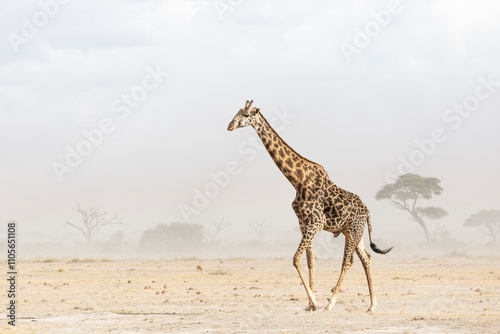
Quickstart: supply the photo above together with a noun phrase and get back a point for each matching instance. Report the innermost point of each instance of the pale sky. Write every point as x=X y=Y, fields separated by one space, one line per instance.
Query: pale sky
x=362 y=81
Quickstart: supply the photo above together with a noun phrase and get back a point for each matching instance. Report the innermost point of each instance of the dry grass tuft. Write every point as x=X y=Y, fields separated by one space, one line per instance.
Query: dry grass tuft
x=220 y=272
x=50 y=260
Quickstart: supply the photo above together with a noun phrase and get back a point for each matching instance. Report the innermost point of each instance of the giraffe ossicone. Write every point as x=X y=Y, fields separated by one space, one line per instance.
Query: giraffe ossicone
x=319 y=205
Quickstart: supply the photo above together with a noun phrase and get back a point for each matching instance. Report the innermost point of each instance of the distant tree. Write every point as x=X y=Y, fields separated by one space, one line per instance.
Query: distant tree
x=486 y=221
x=173 y=237
x=440 y=233
x=407 y=190
x=217 y=227
x=118 y=239
x=260 y=228
x=93 y=220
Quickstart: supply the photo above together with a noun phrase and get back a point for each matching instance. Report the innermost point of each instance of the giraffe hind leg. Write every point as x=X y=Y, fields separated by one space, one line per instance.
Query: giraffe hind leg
x=366 y=260
x=350 y=245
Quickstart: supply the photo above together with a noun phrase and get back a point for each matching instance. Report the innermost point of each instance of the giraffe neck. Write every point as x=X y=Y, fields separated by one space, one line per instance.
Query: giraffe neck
x=291 y=164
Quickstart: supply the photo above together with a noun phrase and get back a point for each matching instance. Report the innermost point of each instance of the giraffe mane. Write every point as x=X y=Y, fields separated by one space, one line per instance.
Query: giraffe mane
x=285 y=143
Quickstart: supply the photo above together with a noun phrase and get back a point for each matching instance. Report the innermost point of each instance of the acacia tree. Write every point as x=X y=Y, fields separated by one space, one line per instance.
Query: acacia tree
x=405 y=193
x=93 y=220
x=218 y=226
x=486 y=221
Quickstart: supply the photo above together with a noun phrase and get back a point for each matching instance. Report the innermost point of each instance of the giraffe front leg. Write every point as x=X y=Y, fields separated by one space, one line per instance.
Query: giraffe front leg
x=310 y=266
x=304 y=245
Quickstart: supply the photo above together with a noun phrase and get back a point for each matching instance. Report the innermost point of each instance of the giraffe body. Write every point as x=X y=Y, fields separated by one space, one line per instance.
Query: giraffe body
x=319 y=205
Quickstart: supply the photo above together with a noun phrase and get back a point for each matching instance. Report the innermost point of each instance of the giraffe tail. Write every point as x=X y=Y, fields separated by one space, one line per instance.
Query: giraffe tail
x=372 y=245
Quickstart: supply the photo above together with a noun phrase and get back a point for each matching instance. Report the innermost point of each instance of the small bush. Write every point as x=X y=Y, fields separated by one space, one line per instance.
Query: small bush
x=176 y=237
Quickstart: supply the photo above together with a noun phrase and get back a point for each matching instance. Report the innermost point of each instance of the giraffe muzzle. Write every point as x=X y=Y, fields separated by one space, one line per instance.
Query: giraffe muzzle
x=231 y=126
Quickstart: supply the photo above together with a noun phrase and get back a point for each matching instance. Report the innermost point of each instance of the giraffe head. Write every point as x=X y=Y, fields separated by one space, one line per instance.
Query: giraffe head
x=244 y=117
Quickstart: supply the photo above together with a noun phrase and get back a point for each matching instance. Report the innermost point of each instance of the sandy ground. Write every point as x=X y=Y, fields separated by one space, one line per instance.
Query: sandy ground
x=415 y=295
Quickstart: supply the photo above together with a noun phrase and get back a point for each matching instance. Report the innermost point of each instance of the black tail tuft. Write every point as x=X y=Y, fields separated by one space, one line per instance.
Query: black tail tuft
x=376 y=250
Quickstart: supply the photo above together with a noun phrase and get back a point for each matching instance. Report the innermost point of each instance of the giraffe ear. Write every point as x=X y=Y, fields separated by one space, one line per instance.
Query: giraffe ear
x=255 y=111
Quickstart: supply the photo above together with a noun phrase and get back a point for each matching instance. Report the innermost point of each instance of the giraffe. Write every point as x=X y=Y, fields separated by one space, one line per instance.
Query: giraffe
x=319 y=205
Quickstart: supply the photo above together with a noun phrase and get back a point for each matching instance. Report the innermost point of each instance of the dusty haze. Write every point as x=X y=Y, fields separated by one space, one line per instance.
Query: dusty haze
x=161 y=81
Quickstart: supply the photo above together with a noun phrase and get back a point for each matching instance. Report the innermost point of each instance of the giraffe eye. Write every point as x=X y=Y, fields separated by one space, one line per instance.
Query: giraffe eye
x=246 y=115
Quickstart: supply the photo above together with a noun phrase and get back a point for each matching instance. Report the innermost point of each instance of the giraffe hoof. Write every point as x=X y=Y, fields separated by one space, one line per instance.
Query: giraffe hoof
x=311 y=308
x=371 y=310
